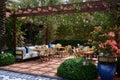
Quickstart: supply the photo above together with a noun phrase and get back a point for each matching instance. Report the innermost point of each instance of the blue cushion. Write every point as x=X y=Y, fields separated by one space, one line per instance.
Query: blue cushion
x=50 y=45
x=27 y=49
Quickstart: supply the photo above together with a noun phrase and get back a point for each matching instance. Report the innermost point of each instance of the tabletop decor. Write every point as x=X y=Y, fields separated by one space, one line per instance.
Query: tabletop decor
x=105 y=44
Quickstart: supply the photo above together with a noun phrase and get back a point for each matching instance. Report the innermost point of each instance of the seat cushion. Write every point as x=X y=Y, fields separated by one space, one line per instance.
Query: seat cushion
x=27 y=49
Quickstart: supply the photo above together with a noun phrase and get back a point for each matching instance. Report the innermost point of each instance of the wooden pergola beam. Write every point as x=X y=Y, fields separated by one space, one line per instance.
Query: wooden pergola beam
x=65 y=9
x=93 y=6
x=8 y=11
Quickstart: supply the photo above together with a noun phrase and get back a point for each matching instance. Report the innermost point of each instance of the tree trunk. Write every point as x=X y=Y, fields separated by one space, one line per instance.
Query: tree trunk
x=2 y=23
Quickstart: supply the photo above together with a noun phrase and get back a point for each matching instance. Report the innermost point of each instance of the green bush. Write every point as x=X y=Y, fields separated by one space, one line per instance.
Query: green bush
x=74 y=69
x=73 y=42
x=6 y=59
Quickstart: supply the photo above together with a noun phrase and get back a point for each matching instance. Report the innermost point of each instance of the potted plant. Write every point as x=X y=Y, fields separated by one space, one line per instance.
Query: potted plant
x=105 y=44
x=118 y=57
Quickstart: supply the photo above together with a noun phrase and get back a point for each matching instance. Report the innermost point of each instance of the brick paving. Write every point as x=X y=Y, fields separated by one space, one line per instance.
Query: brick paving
x=35 y=66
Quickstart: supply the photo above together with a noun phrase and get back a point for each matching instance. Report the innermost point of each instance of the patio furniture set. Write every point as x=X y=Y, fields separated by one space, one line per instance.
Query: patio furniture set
x=44 y=52
x=85 y=52
x=47 y=52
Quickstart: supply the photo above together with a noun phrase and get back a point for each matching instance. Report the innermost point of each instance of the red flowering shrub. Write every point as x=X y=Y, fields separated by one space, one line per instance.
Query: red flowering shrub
x=105 y=41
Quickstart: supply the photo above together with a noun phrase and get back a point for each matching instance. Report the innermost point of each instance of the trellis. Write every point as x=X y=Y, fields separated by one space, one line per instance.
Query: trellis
x=101 y=5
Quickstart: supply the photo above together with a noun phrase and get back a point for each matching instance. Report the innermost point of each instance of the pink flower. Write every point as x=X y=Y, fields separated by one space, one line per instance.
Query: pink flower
x=101 y=45
x=112 y=34
x=111 y=42
x=97 y=29
x=118 y=51
x=105 y=40
x=102 y=35
x=114 y=48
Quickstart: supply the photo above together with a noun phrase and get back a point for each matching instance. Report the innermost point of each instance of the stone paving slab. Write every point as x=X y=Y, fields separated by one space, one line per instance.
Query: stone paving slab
x=47 y=68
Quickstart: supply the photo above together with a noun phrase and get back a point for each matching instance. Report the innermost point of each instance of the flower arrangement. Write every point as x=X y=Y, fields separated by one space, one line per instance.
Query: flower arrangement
x=105 y=41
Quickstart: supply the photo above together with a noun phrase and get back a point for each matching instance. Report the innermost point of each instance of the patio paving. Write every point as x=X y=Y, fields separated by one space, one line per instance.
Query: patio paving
x=35 y=66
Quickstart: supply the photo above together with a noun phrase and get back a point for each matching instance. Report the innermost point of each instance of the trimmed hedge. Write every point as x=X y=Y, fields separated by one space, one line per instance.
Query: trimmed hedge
x=71 y=42
x=6 y=59
x=73 y=69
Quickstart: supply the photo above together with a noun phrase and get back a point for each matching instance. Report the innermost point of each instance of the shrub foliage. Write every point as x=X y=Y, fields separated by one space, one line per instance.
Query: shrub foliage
x=6 y=59
x=74 y=69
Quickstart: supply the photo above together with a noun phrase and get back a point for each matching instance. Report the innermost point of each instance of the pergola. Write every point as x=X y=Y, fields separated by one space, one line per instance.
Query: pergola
x=101 y=5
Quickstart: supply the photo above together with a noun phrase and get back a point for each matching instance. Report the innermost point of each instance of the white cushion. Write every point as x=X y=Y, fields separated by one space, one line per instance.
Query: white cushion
x=31 y=47
x=28 y=55
x=86 y=48
x=20 y=48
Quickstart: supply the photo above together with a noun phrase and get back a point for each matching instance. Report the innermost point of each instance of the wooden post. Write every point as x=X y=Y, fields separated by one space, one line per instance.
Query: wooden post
x=14 y=36
x=46 y=35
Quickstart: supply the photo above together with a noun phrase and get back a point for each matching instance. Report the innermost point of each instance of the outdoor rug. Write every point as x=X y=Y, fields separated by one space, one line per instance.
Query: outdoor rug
x=11 y=75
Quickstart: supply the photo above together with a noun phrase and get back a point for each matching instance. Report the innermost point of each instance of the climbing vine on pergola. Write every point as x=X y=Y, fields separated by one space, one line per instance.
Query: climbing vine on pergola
x=93 y=6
